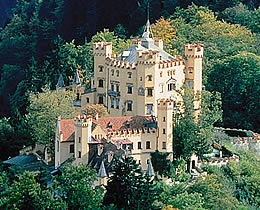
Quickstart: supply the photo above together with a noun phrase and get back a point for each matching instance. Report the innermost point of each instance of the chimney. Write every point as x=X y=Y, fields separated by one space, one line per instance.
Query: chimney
x=100 y=149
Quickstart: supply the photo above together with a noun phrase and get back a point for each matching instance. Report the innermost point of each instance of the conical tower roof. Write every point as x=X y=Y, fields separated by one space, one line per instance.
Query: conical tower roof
x=147 y=31
x=60 y=83
x=102 y=170
x=76 y=80
x=150 y=171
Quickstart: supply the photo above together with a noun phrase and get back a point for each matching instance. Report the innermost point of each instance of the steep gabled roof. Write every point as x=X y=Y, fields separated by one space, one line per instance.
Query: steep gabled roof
x=102 y=170
x=150 y=171
x=68 y=129
x=76 y=80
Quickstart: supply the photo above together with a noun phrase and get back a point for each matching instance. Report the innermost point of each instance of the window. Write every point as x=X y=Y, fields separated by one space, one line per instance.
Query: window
x=100 y=100
x=112 y=72
x=190 y=69
x=161 y=74
x=112 y=102
x=161 y=88
x=129 y=105
x=129 y=75
x=87 y=99
x=164 y=119
x=149 y=91
x=141 y=79
x=117 y=103
x=58 y=146
x=149 y=108
x=149 y=77
x=79 y=139
x=130 y=90
x=148 y=145
x=112 y=86
x=117 y=73
x=100 y=83
x=72 y=148
x=163 y=131
x=101 y=68
x=164 y=145
x=77 y=97
x=79 y=154
x=117 y=87
x=190 y=83
x=139 y=145
x=171 y=86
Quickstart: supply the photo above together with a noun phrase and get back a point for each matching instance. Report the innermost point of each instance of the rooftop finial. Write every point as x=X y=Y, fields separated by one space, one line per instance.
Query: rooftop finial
x=148 y=30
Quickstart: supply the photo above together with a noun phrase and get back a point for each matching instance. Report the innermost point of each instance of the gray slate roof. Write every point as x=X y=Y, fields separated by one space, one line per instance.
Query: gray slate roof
x=60 y=82
x=102 y=171
x=21 y=160
x=150 y=171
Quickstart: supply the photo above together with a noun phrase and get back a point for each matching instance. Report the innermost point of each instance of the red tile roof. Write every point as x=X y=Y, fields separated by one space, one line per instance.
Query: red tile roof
x=122 y=141
x=119 y=123
x=68 y=129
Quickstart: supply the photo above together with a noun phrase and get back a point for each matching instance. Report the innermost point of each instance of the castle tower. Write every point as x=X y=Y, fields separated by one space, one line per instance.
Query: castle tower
x=193 y=71
x=83 y=126
x=60 y=83
x=76 y=85
x=101 y=50
x=165 y=113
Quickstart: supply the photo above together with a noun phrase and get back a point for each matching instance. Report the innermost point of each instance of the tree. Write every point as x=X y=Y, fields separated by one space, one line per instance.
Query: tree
x=164 y=29
x=76 y=187
x=43 y=112
x=128 y=188
x=214 y=193
x=93 y=109
x=237 y=79
x=26 y=193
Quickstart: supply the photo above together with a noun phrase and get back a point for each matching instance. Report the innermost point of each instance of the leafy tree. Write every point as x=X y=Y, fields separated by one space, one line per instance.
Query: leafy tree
x=237 y=79
x=26 y=193
x=43 y=112
x=214 y=193
x=128 y=188
x=76 y=187
x=95 y=108
x=164 y=29
x=161 y=164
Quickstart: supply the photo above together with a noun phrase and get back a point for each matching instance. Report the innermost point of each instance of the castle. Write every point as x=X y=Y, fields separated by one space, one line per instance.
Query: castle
x=141 y=89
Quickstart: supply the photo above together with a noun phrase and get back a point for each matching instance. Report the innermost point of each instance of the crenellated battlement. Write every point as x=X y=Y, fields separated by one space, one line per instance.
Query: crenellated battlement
x=102 y=49
x=171 y=63
x=147 y=57
x=131 y=132
x=194 y=50
x=120 y=64
x=83 y=120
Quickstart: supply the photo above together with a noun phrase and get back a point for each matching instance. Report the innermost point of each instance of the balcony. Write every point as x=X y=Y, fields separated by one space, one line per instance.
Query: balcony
x=91 y=90
x=113 y=93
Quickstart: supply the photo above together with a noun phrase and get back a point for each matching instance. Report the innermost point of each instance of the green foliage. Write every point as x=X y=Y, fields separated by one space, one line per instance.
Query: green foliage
x=161 y=164
x=76 y=187
x=128 y=188
x=119 y=44
x=44 y=110
x=26 y=193
x=237 y=79
x=12 y=139
x=214 y=193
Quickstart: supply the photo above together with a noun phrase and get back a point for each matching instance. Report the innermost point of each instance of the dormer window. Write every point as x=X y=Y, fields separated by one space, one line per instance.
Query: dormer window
x=109 y=125
x=127 y=124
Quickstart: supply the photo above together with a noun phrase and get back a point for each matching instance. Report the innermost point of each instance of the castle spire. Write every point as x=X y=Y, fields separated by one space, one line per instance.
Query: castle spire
x=76 y=80
x=102 y=170
x=150 y=171
x=147 y=31
x=60 y=83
